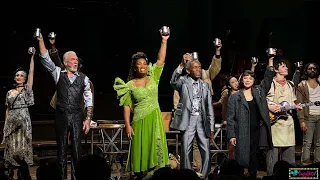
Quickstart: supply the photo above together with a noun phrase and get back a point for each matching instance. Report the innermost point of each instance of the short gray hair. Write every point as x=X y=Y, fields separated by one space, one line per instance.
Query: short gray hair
x=66 y=54
x=188 y=64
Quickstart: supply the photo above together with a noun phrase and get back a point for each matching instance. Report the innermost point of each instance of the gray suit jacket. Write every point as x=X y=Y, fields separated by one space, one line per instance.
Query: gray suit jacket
x=183 y=84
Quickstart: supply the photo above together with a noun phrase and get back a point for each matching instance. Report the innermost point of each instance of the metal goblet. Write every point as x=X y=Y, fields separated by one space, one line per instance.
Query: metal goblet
x=217 y=42
x=165 y=31
x=298 y=64
x=52 y=35
x=195 y=56
x=271 y=51
x=31 y=50
x=37 y=33
x=254 y=60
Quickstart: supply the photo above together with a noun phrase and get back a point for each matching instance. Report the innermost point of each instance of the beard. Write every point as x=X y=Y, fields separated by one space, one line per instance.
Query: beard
x=313 y=75
x=73 y=69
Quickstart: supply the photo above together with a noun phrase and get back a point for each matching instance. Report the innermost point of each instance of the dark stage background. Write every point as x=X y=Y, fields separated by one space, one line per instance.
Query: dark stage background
x=105 y=33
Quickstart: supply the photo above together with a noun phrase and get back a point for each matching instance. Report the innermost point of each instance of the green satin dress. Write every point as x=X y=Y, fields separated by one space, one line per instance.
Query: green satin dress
x=148 y=148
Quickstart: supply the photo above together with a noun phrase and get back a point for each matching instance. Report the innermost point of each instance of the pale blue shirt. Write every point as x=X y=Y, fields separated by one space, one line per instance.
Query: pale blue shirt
x=55 y=73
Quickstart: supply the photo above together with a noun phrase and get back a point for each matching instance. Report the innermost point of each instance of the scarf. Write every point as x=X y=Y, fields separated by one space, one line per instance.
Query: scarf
x=281 y=82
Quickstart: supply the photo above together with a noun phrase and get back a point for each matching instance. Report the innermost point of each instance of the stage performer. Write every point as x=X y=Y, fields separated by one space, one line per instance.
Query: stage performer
x=72 y=88
x=17 y=132
x=148 y=149
x=309 y=117
x=283 y=131
x=207 y=76
x=194 y=114
x=248 y=122
x=232 y=86
x=54 y=55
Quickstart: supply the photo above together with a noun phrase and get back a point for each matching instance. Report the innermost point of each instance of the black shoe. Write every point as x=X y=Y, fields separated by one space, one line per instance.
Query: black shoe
x=23 y=173
x=9 y=173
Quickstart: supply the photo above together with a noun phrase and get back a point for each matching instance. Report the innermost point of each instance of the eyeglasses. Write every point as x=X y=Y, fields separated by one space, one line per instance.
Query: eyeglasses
x=310 y=68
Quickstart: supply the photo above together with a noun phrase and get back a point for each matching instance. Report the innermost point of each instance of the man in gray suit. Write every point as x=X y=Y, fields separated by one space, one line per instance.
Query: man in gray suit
x=194 y=115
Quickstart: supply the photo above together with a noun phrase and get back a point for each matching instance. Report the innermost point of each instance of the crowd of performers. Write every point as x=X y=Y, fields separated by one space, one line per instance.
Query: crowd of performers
x=257 y=116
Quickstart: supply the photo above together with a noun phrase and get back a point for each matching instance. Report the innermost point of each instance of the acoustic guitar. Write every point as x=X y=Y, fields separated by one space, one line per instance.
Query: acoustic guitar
x=284 y=108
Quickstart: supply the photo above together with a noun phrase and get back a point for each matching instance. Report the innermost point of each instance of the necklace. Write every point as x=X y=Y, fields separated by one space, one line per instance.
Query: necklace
x=19 y=88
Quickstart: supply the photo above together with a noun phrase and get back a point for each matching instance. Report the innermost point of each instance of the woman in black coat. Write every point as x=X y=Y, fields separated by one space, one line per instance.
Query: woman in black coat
x=248 y=126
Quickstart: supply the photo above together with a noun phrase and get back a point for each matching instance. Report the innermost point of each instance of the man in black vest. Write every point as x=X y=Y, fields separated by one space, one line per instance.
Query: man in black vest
x=72 y=88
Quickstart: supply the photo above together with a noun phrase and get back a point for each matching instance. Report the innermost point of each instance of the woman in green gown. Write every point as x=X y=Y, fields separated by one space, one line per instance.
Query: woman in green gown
x=148 y=148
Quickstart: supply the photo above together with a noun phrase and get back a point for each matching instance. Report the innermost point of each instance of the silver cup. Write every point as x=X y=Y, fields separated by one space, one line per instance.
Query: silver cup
x=298 y=64
x=272 y=51
x=31 y=50
x=254 y=60
x=195 y=56
x=37 y=33
x=217 y=42
x=52 y=35
x=165 y=31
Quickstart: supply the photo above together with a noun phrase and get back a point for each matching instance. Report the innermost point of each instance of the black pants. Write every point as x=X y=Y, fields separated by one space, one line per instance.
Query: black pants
x=253 y=164
x=68 y=122
x=254 y=155
x=23 y=173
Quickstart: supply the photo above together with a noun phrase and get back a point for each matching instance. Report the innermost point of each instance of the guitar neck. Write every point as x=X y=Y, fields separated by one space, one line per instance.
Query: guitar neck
x=302 y=105
x=307 y=104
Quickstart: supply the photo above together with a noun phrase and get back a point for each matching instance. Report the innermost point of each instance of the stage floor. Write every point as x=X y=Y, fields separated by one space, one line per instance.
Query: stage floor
x=124 y=176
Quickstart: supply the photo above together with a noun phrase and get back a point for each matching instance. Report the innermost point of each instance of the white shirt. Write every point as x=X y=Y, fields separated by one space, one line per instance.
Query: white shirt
x=55 y=73
x=314 y=95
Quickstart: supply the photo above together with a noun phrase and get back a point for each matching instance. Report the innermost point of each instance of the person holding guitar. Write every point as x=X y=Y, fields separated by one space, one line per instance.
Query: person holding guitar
x=283 y=133
x=309 y=117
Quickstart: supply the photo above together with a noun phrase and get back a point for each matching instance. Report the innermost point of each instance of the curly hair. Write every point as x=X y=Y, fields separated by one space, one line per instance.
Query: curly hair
x=305 y=70
x=134 y=59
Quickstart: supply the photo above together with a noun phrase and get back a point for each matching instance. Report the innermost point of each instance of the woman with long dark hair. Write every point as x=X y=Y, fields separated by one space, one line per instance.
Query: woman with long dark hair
x=148 y=148
x=17 y=131
x=232 y=86
x=248 y=122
